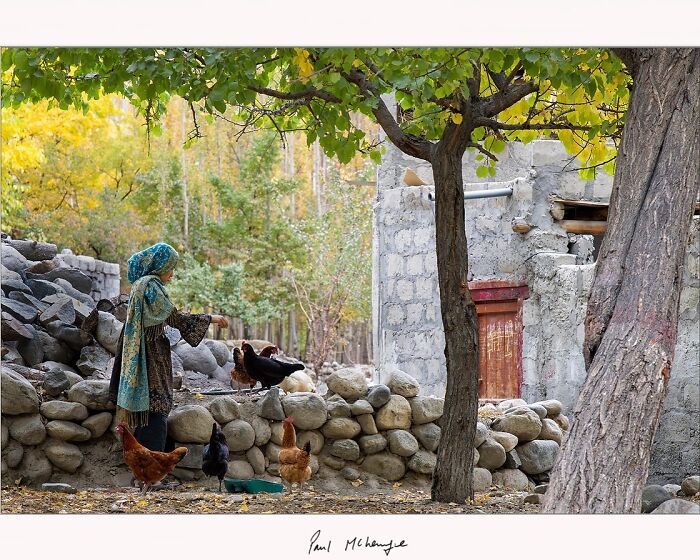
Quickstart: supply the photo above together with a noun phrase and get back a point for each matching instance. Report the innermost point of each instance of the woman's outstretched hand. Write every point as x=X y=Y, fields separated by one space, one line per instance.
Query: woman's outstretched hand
x=219 y=320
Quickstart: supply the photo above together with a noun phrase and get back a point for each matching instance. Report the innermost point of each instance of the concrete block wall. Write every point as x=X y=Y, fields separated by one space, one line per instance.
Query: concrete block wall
x=408 y=330
x=677 y=442
x=105 y=275
x=406 y=296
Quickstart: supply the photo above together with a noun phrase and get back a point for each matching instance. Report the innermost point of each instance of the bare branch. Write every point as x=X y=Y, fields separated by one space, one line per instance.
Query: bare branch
x=497 y=125
x=596 y=166
x=482 y=150
x=196 y=132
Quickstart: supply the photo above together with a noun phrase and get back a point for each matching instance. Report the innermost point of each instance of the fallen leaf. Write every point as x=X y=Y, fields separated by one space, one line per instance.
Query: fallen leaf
x=198 y=396
x=244 y=507
x=396 y=485
x=357 y=482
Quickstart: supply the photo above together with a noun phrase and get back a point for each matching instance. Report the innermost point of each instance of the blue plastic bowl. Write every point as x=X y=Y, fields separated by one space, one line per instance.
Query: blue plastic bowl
x=252 y=486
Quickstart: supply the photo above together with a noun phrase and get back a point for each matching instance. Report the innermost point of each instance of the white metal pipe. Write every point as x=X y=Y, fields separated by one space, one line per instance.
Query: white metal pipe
x=487 y=193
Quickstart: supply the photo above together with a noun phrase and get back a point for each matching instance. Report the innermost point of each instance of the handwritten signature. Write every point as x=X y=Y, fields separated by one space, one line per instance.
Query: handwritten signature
x=355 y=543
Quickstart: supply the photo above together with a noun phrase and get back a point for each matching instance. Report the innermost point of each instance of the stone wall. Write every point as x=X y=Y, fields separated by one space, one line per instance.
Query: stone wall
x=39 y=257
x=105 y=275
x=556 y=267
x=378 y=434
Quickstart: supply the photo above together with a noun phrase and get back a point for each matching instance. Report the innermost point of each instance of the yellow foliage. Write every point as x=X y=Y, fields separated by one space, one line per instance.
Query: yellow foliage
x=45 y=147
x=301 y=59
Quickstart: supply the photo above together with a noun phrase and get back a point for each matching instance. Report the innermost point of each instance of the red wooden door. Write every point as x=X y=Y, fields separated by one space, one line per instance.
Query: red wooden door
x=499 y=312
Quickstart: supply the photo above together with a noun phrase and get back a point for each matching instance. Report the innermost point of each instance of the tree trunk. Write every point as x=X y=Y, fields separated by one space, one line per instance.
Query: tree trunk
x=368 y=344
x=632 y=313
x=307 y=342
x=185 y=197
x=452 y=479
x=292 y=340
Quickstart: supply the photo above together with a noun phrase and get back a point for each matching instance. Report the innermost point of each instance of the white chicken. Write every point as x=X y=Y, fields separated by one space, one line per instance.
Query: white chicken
x=298 y=382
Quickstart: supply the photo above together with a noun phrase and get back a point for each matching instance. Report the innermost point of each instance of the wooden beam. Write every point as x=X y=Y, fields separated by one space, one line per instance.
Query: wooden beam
x=586 y=227
x=580 y=203
x=591 y=204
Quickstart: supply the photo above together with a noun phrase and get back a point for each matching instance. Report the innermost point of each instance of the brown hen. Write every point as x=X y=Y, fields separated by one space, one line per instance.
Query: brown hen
x=294 y=462
x=148 y=466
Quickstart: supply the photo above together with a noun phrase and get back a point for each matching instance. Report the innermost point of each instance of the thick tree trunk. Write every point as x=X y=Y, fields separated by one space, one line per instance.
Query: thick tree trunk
x=452 y=479
x=633 y=308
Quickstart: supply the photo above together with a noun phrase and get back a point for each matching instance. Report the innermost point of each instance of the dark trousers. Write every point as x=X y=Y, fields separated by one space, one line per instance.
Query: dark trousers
x=154 y=435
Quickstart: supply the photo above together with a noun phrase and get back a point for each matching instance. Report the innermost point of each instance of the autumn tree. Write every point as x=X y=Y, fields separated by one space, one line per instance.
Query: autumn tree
x=333 y=279
x=449 y=101
x=65 y=173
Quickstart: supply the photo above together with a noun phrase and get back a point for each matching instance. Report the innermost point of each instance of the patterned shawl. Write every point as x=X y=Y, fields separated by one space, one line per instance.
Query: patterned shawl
x=148 y=306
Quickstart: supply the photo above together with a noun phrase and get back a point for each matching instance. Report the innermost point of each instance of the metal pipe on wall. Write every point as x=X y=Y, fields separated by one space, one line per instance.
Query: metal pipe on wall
x=488 y=193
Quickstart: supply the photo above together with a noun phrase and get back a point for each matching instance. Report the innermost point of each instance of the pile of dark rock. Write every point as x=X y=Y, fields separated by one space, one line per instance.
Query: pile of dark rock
x=671 y=498
x=44 y=303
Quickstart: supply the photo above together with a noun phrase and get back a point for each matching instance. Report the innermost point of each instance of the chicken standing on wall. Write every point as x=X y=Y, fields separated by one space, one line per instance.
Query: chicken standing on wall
x=239 y=373
x=266 y=370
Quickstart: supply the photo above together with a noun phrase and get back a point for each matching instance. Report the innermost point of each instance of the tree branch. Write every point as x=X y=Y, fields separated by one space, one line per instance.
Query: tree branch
x=407 y=143
x=482 y=150
x=498 y=78
x=308 y=93
x=494 y=104
x=630 y=58
x=497 y=125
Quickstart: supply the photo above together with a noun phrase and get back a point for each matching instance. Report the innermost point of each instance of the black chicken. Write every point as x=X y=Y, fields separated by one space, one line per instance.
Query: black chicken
x=215 y=459
x=266 y=370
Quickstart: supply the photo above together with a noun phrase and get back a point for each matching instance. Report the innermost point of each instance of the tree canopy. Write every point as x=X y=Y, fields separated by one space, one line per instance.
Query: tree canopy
x=578 y=95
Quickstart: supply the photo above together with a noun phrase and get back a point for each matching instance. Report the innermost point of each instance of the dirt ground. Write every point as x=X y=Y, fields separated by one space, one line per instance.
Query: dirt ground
x=189 y=498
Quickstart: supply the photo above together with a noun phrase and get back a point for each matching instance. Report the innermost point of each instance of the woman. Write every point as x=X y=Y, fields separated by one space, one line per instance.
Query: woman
x=142 y=378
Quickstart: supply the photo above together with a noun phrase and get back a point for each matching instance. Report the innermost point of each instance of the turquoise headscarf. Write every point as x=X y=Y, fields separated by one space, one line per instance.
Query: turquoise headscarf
x=149 y=305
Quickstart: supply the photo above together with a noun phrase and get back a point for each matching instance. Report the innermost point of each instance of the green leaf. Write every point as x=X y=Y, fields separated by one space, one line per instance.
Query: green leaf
x=482 y=171
x=20 y=59
x=7 y=58
x=591 y=87
x=498 y=146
